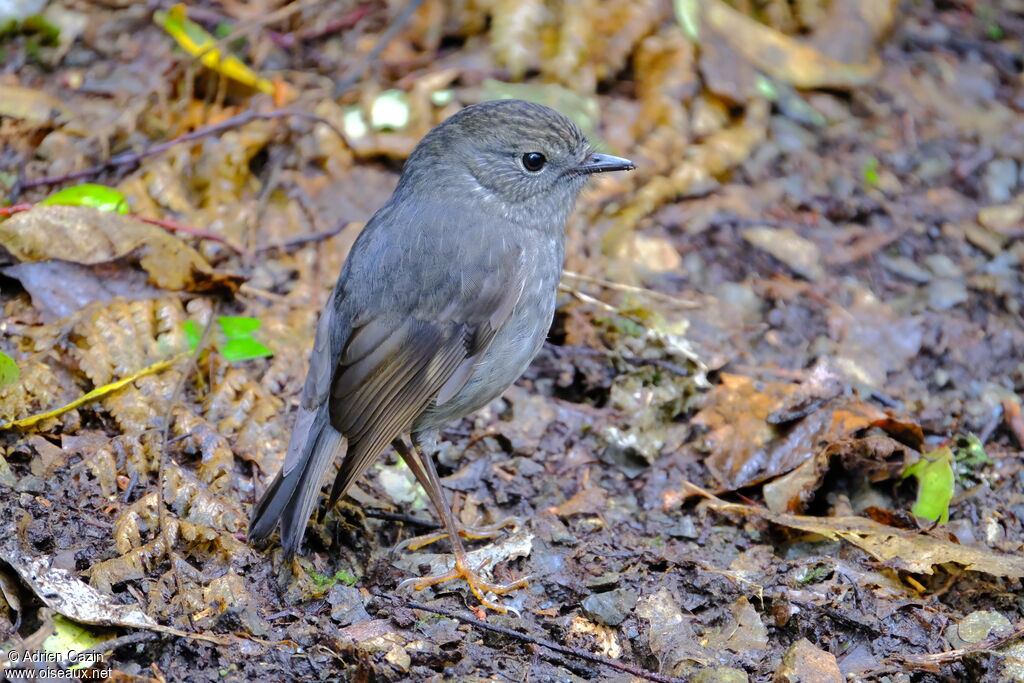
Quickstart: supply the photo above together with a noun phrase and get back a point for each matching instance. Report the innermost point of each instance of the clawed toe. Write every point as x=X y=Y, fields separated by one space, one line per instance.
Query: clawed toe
x=480 y=586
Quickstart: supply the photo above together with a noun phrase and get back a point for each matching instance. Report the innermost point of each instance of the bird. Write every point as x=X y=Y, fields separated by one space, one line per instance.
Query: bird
x=445 y=297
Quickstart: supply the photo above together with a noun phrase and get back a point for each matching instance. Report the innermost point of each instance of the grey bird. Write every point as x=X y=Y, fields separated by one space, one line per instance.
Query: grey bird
x=445 y=298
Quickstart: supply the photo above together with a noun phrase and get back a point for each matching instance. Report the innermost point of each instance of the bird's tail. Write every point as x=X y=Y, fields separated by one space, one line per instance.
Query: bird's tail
x=294 y=491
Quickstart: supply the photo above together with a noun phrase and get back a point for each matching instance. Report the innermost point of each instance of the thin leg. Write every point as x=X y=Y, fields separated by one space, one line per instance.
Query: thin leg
x=417 y=542
x=424 y=465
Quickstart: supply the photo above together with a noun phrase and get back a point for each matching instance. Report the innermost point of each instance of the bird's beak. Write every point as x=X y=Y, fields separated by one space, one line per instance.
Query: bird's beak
x=602 y=163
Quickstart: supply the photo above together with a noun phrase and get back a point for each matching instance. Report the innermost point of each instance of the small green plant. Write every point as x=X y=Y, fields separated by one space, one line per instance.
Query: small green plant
x=938 y=471
x=9 y=372
x=934 y=473
x=870 y=171
x=235 y=340
x=324 y=582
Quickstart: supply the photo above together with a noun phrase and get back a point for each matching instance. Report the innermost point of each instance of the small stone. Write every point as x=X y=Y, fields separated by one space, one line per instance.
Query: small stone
x=610 y=608
x=942 y=266
x=720 y=674
x=905 y=267
x=346 y=605
x=986 y=240
x=1006 y=219
x=975 y=627
x=945 y=293
x=799 y=253
x=806 y=663
x=1000 y=179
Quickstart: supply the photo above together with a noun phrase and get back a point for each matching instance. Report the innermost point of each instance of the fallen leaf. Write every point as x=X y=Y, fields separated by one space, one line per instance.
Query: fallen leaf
x=87 y=236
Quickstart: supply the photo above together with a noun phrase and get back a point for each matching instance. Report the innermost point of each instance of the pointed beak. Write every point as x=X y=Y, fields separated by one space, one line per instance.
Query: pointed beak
x=602 y=163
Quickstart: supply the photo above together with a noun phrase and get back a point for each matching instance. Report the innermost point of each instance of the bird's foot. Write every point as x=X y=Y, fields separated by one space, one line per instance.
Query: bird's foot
x=480 y=586
x=470 y=532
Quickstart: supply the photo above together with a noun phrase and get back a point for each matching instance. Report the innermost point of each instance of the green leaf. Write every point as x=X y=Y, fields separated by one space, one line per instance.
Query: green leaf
x=89 y=194
x=934 y=472
x=244 y=349
x=68 y=636
x=870 y=171
x=971 y=452
x=235 y=327
x=193 y=334
x=688 y=15
x=9 y=372
x=324 y=581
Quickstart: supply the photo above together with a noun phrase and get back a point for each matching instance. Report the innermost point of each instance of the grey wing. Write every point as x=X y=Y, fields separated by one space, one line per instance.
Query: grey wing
x=394 y=366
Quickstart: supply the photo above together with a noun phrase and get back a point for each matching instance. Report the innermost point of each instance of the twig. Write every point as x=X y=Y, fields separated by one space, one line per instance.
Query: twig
x=303 y=240
x=632 y=360
x=288 y=40
x=133 y=158
x=110 y=646
x=930 y=662
x=396 y=517
x=536 y=640
x=359 y=71
x=195 y=232
x=633 y=289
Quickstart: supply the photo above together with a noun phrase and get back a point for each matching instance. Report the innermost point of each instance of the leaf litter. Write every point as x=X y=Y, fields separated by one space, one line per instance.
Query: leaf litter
x=811 y=283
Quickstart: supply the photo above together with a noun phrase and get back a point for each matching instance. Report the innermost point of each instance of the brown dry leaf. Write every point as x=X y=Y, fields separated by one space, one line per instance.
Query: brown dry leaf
x=747 y=634
x=736 y=413
x=786 y=58
x=588 y=501
x=802 y=255
x=244 y=411
x=902 y=549
x=515 y=26
x=872 y=339
x=40 y=387
x=18 y=102
x=88 y=236
x=671 y=637
x=790 y=492
x=717 y=154
x=59 y=288
x=747 y=448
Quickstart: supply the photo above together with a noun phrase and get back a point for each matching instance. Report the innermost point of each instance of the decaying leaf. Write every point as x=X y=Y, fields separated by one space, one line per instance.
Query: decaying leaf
x=902 y=549
x=88 y=236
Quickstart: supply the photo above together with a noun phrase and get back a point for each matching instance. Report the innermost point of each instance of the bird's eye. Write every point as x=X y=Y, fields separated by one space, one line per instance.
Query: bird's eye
x=534 y=161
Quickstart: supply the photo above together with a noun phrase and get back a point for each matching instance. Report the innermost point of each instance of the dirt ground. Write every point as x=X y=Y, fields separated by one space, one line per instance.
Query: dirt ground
x=775 y=433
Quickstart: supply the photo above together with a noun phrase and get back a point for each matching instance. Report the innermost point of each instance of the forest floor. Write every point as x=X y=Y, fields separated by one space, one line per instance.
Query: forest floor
x=775 y=433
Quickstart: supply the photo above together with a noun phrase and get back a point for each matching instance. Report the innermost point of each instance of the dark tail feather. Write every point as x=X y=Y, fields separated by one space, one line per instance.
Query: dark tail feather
x=294 y=491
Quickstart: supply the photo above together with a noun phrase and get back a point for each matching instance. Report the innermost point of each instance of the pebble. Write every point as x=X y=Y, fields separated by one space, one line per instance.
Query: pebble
x=610 y=608
x=1000 y=179
x=346 y=605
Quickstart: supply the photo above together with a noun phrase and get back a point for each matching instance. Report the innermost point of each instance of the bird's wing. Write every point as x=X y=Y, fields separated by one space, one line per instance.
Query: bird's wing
x=386 y=346
x=395 y=365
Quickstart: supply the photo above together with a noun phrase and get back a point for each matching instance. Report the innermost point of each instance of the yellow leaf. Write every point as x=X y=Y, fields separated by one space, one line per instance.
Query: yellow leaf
x=197 y=42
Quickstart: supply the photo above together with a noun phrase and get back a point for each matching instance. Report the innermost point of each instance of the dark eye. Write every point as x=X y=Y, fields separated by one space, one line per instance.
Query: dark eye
x=534 y=161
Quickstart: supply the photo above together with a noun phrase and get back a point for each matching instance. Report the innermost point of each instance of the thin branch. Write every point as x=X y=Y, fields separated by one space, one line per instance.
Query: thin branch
x=133 y=158
x=536 y=640
x=289 y=40
x=560 y=350
x=195 y=232
x=303 y=240
x=930 y=662
x=633 y=289
x=359 y=71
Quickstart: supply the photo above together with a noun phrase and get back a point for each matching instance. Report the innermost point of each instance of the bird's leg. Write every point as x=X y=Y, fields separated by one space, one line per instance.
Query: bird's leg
x=424 y=465
x=471 y=532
